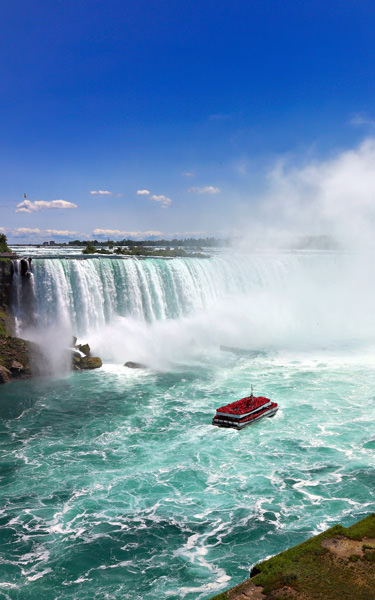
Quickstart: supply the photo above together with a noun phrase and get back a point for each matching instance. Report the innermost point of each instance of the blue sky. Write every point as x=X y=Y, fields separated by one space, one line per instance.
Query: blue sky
x=200 y=104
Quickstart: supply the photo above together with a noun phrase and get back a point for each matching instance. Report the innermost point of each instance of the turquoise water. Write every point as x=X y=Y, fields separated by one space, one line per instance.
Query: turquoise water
x=114 y=484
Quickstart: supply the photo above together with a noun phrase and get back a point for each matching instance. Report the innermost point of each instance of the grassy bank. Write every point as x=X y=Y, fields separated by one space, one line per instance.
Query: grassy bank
x=338 y=564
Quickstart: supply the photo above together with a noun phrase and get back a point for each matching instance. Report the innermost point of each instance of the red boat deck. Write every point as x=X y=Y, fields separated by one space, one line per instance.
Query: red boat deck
x=243 y=412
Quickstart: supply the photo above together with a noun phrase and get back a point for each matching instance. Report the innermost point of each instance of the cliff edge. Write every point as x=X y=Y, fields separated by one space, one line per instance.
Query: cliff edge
x=338 y=564
x=15 y=353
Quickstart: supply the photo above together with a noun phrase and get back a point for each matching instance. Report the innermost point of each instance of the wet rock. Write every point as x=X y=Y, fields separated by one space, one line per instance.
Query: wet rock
x=74 y=341
x=84 y=348
x=82 y=359
x=25 y=266
x=254 y=571
x=5 y=374
x=90 y=362
x=17 y=368
x=134 y=365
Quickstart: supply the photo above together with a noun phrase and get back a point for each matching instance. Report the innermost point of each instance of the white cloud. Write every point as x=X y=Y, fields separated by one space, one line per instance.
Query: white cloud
x=127 y=234
x=101 y=193
x=37 y=235
x=188 y=174
x=109 y=232
x=24 y=230
x=184 y=234
x=207 y=189
x=28 y=207
x=60 y=232
x=152 y=233
x=21 y=231
x=142 y=235
x=164 y=200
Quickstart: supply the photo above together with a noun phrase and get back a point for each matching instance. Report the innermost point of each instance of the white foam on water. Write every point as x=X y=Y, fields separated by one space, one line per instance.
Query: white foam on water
x=39 y=574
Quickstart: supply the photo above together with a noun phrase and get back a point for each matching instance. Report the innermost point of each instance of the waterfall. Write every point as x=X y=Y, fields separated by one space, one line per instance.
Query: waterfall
x=88 y=294
x=141 y=309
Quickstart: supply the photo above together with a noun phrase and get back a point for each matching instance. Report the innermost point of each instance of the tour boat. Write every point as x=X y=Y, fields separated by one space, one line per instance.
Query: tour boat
x=244 y=412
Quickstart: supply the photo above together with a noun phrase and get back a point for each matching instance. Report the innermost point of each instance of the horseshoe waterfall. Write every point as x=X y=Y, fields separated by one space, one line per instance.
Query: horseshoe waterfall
x=114 y=482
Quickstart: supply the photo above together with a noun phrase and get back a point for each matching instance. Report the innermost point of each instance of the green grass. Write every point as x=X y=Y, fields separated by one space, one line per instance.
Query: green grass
x=364 y=528
x=312 y=570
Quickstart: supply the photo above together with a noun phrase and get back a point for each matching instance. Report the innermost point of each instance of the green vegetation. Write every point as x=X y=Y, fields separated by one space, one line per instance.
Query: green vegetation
x=209 y=242
x=90 y=249
x=4 y=243
x=362 y=529
x=354 y=557
x=311 y=571
x=142 y=251
x=163 y=252
x=3 y=322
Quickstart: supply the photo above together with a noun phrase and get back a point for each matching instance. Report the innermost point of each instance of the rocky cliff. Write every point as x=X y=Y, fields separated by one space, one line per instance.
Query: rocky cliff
x=18 y=356
x=6 y=275
x=15 y=353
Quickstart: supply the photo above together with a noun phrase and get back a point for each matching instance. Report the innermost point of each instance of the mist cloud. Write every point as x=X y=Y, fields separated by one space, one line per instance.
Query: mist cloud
x=335 y=197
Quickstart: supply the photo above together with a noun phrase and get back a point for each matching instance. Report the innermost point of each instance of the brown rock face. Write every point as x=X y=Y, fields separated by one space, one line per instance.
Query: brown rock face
x=16 y=357
x=5 y=374
x=16 y=367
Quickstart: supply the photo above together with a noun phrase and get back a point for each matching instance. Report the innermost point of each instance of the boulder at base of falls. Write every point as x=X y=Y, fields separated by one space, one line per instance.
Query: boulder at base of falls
x=82 y=359
x=134 y=365
x=90 y=362
x=84 y=348
x=15 y=358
